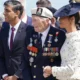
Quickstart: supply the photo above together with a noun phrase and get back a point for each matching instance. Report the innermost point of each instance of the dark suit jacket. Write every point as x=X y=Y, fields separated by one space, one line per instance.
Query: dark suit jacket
x=10 y=60
x=35 y=71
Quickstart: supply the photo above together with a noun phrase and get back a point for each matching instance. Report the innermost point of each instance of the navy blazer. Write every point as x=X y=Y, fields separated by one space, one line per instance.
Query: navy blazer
x=10 y=60
x=33 y=65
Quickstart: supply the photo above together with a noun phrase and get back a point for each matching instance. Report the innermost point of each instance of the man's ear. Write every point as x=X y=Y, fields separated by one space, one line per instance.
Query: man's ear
x=17 y=13
x=53 y=20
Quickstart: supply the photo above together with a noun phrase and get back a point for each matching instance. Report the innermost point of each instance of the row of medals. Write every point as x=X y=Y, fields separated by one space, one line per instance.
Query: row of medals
x=47 y=51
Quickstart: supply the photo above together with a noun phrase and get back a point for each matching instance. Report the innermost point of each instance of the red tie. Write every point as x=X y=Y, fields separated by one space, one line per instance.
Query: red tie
x=11 y=39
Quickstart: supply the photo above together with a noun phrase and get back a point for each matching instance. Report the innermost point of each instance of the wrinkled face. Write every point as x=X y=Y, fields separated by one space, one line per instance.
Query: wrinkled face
x=64 y=22
x=40 y=24
x=9 y=14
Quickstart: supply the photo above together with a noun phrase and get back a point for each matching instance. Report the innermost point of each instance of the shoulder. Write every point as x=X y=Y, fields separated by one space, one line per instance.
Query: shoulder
x=59 y=34
x=5 y=26
x=29 y=28
x=5 y=23
x=29 y=31
x=54 y=30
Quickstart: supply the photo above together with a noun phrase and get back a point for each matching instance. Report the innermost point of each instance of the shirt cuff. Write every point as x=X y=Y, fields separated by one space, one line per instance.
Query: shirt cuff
x=4 y=75
x=54 y=71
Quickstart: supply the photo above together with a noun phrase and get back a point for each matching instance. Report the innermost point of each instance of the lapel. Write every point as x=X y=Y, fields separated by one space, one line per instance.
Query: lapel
x=18 y=34
x=5 y=37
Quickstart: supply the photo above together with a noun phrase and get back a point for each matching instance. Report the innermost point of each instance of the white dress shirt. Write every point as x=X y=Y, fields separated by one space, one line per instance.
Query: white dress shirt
x=15 y=31
x=70 y=55
x=44 y=35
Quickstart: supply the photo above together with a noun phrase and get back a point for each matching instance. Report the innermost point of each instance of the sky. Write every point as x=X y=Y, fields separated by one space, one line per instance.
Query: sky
x=32 y=4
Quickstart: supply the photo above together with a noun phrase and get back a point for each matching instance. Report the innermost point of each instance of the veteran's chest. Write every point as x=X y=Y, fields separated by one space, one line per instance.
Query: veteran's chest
x=50 y=49
x=50 y=46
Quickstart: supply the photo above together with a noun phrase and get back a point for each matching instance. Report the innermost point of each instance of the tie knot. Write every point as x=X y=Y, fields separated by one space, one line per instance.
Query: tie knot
x=12 y=28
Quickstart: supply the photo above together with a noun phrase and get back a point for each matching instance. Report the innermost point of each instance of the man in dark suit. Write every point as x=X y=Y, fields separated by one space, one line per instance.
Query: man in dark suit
x=12 y=41
x=42 y=45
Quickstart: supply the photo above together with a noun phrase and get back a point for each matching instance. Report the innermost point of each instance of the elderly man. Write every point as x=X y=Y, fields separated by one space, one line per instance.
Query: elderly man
x=43 y=44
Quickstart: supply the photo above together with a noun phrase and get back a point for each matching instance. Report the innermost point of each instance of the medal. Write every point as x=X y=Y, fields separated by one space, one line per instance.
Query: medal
x=56 y=37
x=50 y=38
x=35 y=41
x=49 y=44
x=30 y=53
x=44 y=54
x=49 y=54
x=30 y=64
x=31 y=59
x=30 y=42
x=52 y=60
x=33 y=54
x=56 y=54
x=45 y=51
x=54 y=49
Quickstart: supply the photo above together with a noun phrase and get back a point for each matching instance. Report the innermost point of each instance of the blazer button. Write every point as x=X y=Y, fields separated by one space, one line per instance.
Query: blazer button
x=34 y=76
x=34 y=66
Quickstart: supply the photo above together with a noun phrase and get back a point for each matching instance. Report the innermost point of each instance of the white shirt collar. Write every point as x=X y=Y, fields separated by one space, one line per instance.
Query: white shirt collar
x=16 y=26
x=24 y=19
x=45 y=32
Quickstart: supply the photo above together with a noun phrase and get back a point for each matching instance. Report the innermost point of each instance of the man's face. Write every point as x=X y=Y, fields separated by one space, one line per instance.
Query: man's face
x=9 y=14
x=40 y=24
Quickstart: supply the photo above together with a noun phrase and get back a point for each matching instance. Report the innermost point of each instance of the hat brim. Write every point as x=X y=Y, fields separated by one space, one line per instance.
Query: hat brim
x=67 y=10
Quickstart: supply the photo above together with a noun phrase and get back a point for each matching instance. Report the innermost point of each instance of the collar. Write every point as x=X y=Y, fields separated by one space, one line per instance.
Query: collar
x=45 y=32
